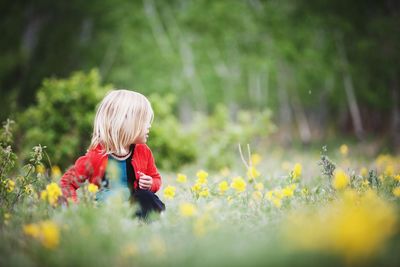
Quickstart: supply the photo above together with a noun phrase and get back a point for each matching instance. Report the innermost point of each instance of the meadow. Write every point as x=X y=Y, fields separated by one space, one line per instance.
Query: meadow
x=332 y=207
x=307 y=89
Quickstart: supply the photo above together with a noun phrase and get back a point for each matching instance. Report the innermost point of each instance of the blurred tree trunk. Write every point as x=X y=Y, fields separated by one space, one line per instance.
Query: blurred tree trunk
x=157 y=28
x=301 y=118
x=285 y=113
x=254 y=87
x=190 y=73
x=395 y=122
x=349 y=89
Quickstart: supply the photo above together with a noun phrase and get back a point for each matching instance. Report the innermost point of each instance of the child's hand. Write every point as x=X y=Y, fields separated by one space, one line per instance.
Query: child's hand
x=145 y=181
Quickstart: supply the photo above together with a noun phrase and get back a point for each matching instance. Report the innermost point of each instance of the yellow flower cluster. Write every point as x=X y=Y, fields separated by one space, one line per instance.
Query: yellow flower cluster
x=276 y=195
x=7 y=217
x=388 y=165
x=51 y=194
x=364 y=172
x=346 y=227
x=252 y=173
x=200 y=187
x=202 y=177
x=396 y=191
x=181 y=178
x=28 y=189
x=169 y=192
x=340 y=180
x=297 y=169
x=223 y=187
x=10 y=185
x=187 y=209
x=40 y=169
x=255 y=159
x=47 y=232
x=55 y=172
x=344 y=150
x=238 y=184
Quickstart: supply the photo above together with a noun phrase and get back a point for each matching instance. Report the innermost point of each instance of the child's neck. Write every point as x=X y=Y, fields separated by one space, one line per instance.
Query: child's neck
x=124 y=152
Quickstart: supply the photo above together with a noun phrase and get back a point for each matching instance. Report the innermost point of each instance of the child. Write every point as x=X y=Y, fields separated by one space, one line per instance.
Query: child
x=118 y=148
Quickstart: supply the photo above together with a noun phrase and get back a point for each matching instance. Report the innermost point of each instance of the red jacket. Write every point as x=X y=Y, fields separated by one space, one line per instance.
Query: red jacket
x=93 y=164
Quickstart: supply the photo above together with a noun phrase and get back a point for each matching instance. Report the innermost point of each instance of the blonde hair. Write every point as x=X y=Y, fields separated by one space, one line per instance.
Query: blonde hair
x=121 y=118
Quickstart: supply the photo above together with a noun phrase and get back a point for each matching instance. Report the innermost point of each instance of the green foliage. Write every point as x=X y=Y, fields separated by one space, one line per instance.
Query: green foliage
x=172 y=146
x=22 y=184
x=328 y=167
x=62 y=118
x=219 y=135
x=211 y=140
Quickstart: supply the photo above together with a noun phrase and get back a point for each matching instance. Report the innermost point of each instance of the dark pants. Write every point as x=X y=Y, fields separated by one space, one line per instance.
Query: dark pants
x=148 y=202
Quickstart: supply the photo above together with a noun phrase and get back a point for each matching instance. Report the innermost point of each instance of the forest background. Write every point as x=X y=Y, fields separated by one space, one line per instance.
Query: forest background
x=318 y=69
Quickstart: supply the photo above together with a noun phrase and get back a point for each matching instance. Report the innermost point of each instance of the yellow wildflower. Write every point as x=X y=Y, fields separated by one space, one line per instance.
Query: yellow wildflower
x=53 y=192
x=47 y=232
x=28 y=189
x=357 y=232
x=344 y=150
x=202 y=177
x=396 y=191
x=365 y=183
x=238 y=184
x=297 y=169
x=204 y=193
x=277 y=202
x=187 y=209
x=389 y=170
x=92 y=188
x=169 y=192
x=223 y=186
x=7 y=217
x=255 y=159
x=10 y=185
x=288 y=191
x=32 y=230
x=259 y=186
x=40 y=169
x=397 y=177
x=50 y=234
x=252 y=173
x=55 y=172
x=181 y=178
x=364 y=172
x=346 y=227
x=196 y=188
x=340 y=180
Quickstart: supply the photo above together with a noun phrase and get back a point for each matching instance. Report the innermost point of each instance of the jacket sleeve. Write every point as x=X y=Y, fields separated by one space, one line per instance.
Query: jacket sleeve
x=153 y=172
x=75 y=176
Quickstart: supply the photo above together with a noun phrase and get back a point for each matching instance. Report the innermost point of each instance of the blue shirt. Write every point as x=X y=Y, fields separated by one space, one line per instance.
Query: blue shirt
x=115 y=180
